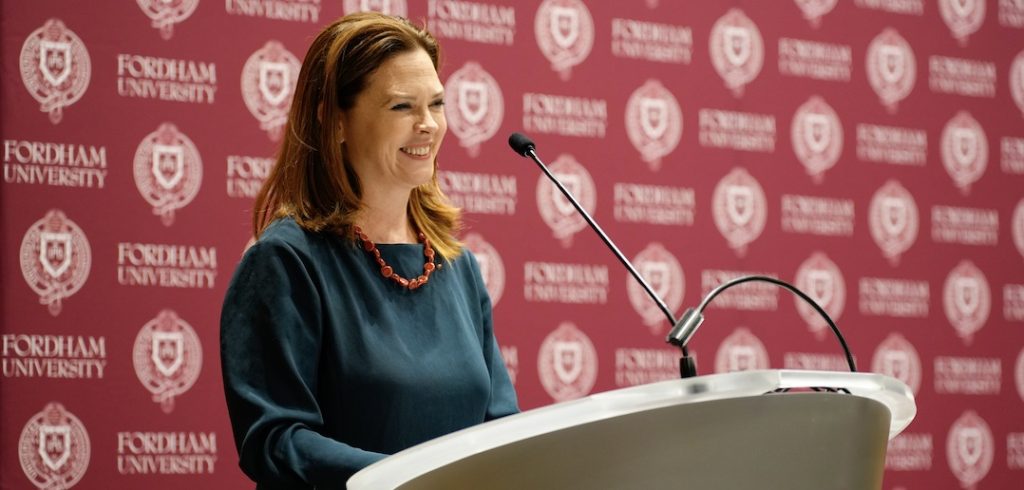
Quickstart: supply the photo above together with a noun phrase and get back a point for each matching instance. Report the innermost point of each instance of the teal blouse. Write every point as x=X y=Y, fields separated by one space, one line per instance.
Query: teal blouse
x=328 y=367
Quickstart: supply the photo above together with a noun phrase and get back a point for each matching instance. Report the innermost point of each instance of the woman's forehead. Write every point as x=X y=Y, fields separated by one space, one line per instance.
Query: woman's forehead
x=406 y=74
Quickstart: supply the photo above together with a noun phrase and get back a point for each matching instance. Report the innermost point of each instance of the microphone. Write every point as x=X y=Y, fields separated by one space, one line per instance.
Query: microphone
x=525 y=147
x=521 y=143
x=683 y=329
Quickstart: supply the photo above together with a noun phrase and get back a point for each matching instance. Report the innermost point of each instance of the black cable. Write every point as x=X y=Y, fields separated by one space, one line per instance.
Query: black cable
x=778 y=282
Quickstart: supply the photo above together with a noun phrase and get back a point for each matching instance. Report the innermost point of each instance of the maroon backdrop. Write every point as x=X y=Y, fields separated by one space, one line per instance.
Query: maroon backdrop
x=871 y=151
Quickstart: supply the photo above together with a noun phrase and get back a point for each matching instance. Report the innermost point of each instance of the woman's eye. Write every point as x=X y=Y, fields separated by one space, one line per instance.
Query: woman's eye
x=400 y=107
x=438 y=103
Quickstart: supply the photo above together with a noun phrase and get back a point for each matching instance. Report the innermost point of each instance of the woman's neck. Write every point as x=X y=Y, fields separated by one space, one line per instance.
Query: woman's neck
x=385 y=219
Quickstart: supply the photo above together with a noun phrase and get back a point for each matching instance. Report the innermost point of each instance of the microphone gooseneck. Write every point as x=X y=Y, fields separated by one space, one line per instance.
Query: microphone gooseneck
x=525 y=147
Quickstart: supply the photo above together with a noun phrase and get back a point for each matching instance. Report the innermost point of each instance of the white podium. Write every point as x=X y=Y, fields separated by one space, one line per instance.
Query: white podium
x=752 y=429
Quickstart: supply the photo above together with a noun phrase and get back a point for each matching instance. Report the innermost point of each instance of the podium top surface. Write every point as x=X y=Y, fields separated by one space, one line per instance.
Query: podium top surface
x=392 y=472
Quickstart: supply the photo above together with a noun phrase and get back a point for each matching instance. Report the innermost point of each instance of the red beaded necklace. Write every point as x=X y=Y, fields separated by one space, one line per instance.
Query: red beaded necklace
x=389 y=273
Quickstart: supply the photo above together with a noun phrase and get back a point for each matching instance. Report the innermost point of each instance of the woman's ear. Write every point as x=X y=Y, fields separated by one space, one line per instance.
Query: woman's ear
x=341 y=129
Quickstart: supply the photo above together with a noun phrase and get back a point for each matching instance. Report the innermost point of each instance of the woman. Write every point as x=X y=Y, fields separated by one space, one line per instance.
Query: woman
x=357 y=326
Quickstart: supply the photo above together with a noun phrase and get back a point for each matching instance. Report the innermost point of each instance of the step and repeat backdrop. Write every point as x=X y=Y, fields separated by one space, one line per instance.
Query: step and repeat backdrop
x=870 y=151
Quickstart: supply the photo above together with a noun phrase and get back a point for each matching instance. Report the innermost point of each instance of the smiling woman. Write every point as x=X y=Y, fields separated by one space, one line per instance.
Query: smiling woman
x=357 y=325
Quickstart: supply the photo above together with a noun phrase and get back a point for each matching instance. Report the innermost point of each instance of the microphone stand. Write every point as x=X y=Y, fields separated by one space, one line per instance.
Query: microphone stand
x=525 y=147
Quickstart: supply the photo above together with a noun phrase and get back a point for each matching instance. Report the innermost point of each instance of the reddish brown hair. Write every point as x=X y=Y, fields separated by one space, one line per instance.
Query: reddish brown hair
x=312 y=181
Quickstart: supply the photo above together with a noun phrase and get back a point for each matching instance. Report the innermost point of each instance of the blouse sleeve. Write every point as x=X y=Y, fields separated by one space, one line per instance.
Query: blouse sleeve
x=503 y=395
x=271 y=332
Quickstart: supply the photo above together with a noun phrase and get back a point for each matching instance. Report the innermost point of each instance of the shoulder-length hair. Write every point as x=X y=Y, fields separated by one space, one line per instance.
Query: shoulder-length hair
x=312 y=181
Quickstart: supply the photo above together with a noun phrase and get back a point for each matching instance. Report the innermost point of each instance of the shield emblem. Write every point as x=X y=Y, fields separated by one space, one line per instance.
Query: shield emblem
x=739 y=204
x=742 y=358
x=376 y=6
x=892 y=63
x=168 y=352
x=657 y=275
x=484 y=262
x=55 y=252
x=565 y=26
x=55 y=61
x=894 y=215
x=54 y=445
x=473 y=101
x=738 y=45
x=168 y=165
x=816 y=132
x=897 y=364
x=275 y=80
x=573 y=184
x=966 y=294
x=962 y=8
x=568 y=360
x=965 y=146
x=970 y=445
x=653 y=117
x=821 y=286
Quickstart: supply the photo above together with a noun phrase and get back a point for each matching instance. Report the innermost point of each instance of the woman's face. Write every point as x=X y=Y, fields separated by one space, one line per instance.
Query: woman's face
x=393 y=131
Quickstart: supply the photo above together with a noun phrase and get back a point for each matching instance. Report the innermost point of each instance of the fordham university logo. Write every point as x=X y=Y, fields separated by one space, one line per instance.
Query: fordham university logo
x=397 y=8
x=891 y=67
x=55 y=67
x=475 y=106
x=268 y=82
x=565 y=34
x=741 y=351
x=740 y=209
x=168 y=171
x=1019 y=374
x=814 y=10
x=822 y=280
x=963 y=17
x=166 y=13
x=964 y=150
x=1017 y=81
x=492 y=268
x=663 y=273
x=654 y=122
x=55 y=259
x=54 y=448
x=970 y=449
x=896 y=357
x=167 y=358
x=817 y=137
x=967 y=300
x=737 y=50
x=1017 y=227
x=893 y=220
x=567 y=363
x=555 y=209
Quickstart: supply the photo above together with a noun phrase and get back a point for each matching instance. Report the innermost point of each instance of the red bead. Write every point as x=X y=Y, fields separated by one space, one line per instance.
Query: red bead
x=389 y=273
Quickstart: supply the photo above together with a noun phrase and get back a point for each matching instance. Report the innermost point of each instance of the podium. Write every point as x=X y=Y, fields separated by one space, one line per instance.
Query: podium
x=764 y=429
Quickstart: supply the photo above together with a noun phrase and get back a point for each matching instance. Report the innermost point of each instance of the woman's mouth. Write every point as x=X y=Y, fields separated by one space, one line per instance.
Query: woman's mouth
x=416 y=151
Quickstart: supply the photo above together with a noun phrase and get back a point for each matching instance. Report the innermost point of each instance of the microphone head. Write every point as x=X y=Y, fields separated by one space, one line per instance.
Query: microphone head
x=521 y=143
